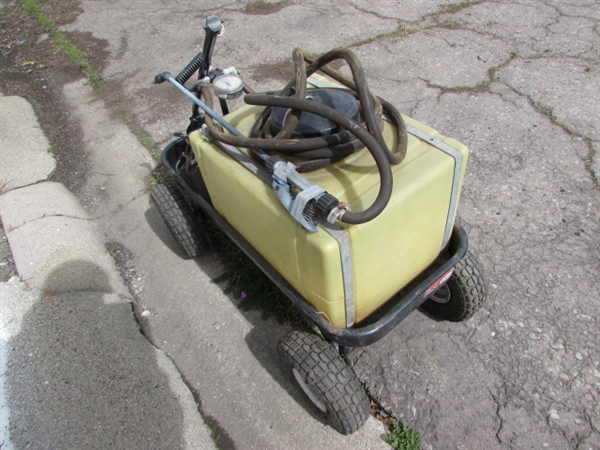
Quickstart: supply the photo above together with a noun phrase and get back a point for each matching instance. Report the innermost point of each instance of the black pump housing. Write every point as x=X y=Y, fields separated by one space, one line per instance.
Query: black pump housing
x=313 y=125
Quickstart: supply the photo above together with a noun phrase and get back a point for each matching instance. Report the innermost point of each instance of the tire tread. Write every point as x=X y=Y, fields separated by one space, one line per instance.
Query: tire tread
x=468 y=288
x=324 y=369
x=180 y=219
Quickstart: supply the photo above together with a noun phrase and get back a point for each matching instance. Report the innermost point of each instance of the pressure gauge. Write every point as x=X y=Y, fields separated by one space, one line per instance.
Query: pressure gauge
x=228 y=86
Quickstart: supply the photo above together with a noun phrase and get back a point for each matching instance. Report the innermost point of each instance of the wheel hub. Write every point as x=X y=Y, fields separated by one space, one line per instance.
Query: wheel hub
x=441 y=295
x=309 y=391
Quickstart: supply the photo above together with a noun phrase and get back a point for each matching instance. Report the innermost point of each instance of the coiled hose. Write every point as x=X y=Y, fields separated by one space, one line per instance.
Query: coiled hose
x=320 y=151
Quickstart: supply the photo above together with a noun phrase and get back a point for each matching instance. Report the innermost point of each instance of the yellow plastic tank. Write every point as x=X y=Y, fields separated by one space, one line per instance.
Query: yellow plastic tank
x=345 y=272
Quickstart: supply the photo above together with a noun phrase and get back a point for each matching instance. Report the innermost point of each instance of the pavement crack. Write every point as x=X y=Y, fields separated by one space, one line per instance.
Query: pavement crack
x=498 y=416
x=549 y=113
x=478 y=88
x=125 y=262
x=219 y=435
x=401 y=31
x=373 y=13
x=120 y=206
x=45 y=216
x=451 y=8
x=581 y=440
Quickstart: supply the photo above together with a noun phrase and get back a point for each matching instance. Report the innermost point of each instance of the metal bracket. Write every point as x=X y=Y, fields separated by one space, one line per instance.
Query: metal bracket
x=285 y=177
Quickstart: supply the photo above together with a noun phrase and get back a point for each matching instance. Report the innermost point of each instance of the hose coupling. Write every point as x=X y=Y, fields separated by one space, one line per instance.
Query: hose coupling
x=272 y=161
x=325 y=204
x=338 y=212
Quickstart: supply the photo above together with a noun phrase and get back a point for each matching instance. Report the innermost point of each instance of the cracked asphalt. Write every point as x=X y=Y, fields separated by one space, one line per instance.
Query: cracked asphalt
x=517 y=81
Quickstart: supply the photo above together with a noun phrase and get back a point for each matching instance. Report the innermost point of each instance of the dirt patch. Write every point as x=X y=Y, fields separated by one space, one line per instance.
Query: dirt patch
x=33 y=67
x=261 y=8
x=125 y=262
x=281 y=71
x=7 y=264
x=62 y=12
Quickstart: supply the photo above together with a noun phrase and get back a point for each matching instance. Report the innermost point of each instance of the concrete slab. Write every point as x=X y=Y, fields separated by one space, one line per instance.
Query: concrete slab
x=38 y=201
x=54 y=243
x=409 y=10
x=573 y=99
x=16 y=299
x=532 y=213
x=453 y=59
x=25 y=157
x=126 y=169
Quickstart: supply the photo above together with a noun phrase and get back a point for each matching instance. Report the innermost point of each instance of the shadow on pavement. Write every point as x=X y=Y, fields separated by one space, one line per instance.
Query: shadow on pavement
x=262 y=342
x=81 y=375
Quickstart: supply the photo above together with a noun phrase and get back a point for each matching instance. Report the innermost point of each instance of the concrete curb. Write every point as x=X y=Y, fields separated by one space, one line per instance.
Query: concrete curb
x=72 y=285
x=25 y=159
x=53 y=240
x=55 y=244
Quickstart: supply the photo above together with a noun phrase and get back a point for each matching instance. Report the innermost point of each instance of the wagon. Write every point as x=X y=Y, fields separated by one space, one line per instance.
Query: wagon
x=348 y=206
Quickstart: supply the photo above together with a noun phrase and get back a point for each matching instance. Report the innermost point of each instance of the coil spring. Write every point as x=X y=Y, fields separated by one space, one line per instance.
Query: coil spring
x=190 y=69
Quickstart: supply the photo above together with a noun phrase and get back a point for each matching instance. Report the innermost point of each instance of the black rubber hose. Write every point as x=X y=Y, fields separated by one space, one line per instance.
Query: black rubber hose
x=291 y=120
x=324 y=150
x=285 y=146
x=371 y=109
x=378 y=153
x=321 y=152
x=374 y=147
x=364 y=96
x=396 y=118
x=321 y=63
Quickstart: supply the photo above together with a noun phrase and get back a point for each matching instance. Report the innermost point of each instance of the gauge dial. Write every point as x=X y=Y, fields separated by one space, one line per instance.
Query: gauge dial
x=228 y=86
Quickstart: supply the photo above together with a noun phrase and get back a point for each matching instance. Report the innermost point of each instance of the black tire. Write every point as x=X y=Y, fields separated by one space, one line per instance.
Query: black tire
x=462 y=295
x=180 y=218
x=328 y=382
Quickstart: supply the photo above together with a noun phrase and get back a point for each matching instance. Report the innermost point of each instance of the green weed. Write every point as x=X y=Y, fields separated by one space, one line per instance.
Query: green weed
x=62 y=42
x=403 y=437
x=156 y=154
x=148 y=142
x=455 y=7
x=450 y=24
x=589 y=163
x=159 y=175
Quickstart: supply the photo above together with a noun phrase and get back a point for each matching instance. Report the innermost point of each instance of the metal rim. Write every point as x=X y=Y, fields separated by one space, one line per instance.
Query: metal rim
x=441 y=295
x=308 y=391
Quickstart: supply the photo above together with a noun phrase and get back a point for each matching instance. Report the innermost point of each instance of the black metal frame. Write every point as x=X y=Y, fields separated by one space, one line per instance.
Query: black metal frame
x=381 y=321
